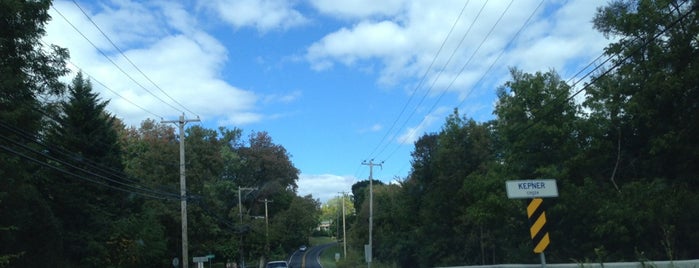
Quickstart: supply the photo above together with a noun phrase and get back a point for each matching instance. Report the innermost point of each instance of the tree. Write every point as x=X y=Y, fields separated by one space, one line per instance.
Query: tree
x=266 y=165
x=646 y=113
x=85 y=136
x=536 y=121
x=332 y=211
x=27 y=70
x=360 y=191
x=657 y=53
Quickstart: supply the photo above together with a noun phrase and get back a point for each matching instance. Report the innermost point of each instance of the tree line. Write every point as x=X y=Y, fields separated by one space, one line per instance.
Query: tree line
x=624 y=157
x=78 y=188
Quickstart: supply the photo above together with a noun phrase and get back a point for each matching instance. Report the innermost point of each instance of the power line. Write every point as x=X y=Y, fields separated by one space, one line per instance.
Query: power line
x=116 y=176
x=134 y=190
x=492 y=64
x=424 y=76
x=110 y=89
x=112 y=61
x=463 y=67
x=106 y=87
x=614 y=66
x=129 y=60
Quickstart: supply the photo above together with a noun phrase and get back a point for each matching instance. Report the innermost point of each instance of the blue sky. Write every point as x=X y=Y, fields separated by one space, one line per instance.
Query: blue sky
x=334 y=82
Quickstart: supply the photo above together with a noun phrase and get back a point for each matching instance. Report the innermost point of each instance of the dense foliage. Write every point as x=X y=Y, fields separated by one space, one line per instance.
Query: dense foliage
x=625 y=159
x=80 y=189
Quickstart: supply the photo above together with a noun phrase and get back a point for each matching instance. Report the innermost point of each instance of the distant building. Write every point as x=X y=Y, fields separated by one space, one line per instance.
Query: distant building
x=324 y=226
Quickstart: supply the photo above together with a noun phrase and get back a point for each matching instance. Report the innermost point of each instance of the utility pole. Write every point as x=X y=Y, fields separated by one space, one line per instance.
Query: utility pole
x=240 y=212
x=371 y=165
x=183 y=188
x=344 y=232
x=267 y=225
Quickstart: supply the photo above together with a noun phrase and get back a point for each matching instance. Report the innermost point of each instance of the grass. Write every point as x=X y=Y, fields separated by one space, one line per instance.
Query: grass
x=327 y=258
x=354 y=258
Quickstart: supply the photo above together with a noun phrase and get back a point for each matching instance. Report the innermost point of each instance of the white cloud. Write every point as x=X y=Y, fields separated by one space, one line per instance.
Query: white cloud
x=264 y=15
x=324 y=186
x=359 y=8
x=373 y=128
x=366 y=40
x=404 y=43
x=283 y=98
x=412 y=134
x=182 y=61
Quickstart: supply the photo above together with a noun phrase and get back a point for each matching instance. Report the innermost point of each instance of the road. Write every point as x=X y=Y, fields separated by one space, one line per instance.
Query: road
x=309 y=258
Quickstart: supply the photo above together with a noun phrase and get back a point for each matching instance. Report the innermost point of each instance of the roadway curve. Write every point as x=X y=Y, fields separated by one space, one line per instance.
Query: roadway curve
x=309 y=258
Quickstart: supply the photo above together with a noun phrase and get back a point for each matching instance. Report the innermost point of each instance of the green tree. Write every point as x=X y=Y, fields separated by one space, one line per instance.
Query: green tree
x=27 y=70
x=293 y=226
x=645 y=113
x=332 y=211
x=85 y=136
x=360 y=191
x=536 y=121
x=267 y=165
x=151 y=157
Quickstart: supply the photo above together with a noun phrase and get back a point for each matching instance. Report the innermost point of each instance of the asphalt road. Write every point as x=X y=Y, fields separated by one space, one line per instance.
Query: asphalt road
x=309 y=258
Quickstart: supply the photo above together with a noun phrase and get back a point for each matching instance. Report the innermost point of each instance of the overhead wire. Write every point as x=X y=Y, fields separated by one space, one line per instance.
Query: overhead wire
x=492 y=64
x=113 y=62
x=110 y=89
x=129 y=60
x=618 y=63
x=124 y=187
x=424 y=77
x=95 y=167
x=597 y=67
x=439 y=73
x=502 y=52
x=419 y=84
x=463 y=67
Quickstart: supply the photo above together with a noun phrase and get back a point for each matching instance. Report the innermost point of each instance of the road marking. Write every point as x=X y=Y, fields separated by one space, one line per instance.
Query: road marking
x=303 y=259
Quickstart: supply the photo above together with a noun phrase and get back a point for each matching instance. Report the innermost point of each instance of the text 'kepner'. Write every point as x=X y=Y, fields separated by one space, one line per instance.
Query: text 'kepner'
x=531 y=185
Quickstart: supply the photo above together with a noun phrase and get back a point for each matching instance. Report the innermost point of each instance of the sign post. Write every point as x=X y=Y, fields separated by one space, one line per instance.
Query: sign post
x=535 y=189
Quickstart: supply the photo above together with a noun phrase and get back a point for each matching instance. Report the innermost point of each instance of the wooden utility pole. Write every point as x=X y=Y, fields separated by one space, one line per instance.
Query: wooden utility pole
x=240 y=213
x=183 y=188
x=344 y=233
x=266 y=225
x=371 y=165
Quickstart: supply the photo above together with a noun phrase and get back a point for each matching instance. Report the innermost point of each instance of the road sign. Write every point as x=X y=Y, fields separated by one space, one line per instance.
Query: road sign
x=367 y=252
x=537 y=228
x=531 y=189
x=200 y=259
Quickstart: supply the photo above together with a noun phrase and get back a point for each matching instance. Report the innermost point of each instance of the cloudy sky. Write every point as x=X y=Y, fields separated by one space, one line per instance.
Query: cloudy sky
x=334 y=82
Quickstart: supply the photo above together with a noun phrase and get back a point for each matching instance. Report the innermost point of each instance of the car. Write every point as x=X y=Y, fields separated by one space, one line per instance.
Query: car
x=303 y=248
x=277 y=264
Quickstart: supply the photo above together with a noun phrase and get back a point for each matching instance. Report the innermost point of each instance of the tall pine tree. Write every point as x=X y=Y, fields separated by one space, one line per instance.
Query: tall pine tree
x=88 y=205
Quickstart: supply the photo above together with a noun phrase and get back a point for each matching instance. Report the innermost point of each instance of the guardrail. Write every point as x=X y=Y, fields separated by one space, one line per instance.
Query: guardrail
x=645 y=264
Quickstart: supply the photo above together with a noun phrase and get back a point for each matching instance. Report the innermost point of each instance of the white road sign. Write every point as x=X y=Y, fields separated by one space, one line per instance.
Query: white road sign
x=531 y=189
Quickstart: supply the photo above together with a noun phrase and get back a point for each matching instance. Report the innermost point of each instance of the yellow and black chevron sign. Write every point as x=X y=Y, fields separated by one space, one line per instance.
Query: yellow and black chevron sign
x=538 y=230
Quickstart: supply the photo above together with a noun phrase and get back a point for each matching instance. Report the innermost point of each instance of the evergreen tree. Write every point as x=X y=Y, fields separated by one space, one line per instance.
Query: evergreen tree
x=28 y=230
x=88 y=205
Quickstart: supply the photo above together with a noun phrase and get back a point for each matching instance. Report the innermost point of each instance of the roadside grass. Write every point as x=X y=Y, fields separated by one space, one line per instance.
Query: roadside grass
x=327 y=257
x=320 y=240
x=354 y=257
